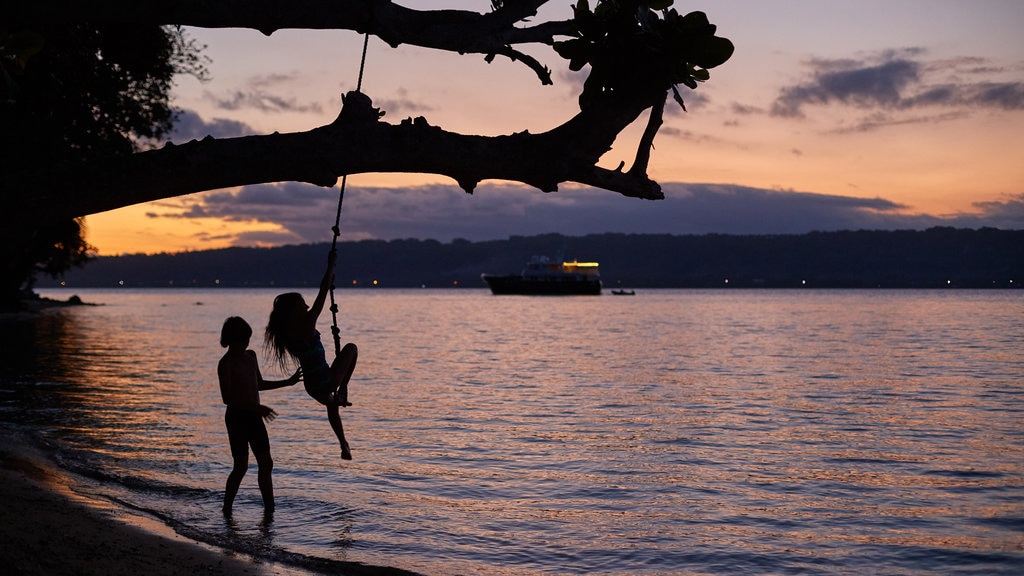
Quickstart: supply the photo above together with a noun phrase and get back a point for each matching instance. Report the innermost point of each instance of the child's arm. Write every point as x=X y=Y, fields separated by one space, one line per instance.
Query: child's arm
x=325 y=285
x=274 y=384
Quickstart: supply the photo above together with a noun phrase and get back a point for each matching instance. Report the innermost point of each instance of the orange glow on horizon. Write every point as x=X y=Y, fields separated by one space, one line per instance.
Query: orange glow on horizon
x=131 y=230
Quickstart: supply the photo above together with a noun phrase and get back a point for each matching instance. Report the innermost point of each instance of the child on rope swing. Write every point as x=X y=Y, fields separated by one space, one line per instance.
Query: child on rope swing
x=291 y=333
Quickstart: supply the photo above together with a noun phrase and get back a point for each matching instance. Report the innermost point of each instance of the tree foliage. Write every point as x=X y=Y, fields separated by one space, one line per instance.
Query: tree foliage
x=75 y=93
x=630 y=48
x=96 y=86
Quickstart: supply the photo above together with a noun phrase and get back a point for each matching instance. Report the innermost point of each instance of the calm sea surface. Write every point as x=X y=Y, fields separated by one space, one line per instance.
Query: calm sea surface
x=672 y=432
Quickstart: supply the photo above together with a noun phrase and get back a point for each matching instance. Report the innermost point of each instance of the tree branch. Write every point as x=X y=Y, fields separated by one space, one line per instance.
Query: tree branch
x=460 y=31
x=356 y=142
x=643 y=150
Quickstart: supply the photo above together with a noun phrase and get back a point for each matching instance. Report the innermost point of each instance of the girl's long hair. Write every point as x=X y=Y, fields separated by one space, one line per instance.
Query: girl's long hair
x=281 y=327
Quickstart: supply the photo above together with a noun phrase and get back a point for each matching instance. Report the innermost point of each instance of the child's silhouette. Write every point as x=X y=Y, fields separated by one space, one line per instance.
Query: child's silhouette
x=240 y=385
x=291 y=332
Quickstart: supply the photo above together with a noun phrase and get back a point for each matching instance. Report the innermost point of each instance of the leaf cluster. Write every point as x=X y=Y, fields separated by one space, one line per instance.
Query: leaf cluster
x=633 y=45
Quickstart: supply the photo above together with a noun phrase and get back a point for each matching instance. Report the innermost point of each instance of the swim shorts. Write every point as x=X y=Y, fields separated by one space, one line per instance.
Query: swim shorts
x=246 y=429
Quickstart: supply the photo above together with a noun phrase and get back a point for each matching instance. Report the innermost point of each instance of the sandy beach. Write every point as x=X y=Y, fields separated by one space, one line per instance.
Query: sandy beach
x=46 y=529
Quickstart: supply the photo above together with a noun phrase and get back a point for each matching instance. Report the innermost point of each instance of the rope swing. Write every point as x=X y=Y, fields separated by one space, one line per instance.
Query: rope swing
x=335 y=331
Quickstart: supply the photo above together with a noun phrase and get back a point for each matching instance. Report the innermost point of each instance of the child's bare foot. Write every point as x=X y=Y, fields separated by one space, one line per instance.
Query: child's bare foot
x=340 y=398
x=346 y=453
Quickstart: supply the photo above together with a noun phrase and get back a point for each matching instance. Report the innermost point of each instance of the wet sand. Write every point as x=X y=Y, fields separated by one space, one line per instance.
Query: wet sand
x=46 y=529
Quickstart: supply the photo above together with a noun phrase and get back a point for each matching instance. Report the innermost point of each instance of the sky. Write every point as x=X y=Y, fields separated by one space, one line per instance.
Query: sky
x=891 y=114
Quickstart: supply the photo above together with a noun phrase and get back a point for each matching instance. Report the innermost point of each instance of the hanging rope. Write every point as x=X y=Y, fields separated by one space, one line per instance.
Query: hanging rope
x=335 y=331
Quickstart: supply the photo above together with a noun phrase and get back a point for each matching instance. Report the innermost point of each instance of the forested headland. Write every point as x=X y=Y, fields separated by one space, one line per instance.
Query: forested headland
x=933 y=258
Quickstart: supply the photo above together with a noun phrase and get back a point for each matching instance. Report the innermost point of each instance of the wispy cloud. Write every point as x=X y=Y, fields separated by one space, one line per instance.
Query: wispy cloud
x=898 y=82
x=258 y=93
x=262 y=101
x=849 y=83
x=401 y=105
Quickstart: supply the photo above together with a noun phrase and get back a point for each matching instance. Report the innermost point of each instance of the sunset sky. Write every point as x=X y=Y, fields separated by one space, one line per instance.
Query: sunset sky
x=830 y=115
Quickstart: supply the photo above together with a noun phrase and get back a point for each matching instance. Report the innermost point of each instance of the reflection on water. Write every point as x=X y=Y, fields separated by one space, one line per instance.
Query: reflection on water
x=674 y=432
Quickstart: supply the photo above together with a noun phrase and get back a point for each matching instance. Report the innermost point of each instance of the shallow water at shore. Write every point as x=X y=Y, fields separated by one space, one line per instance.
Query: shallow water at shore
x=674 y=431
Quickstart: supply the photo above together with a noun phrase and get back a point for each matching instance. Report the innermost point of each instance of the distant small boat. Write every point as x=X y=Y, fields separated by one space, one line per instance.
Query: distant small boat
x=623 y=292
x=545 y=277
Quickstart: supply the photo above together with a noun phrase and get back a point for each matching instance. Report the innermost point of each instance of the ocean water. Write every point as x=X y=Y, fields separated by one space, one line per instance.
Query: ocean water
x=672 y=432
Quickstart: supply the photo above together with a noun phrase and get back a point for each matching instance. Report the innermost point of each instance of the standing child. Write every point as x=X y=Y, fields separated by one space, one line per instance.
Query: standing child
x=240 y=385
x=291 y=332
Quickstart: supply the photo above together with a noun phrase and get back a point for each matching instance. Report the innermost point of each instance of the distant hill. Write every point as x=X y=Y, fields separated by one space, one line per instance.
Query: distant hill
x=933 y=258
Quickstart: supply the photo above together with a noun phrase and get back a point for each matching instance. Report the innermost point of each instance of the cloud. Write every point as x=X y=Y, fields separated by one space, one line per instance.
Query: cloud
x=191 y=126
x=900 y=82
x=849 y=83
x=262 y=101
x=693 y=99
x=268 y=238
x=444 y=212
x=258 y=94
x=744 y=109
x=1007 y=214
x=401 y=105
x=1004 y=95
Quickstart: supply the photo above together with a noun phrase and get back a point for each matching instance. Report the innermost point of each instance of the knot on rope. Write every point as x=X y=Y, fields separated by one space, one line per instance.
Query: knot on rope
x=334 y=308
x=337 y=232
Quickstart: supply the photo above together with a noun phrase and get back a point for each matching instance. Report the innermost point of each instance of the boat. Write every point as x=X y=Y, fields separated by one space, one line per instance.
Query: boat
x=623 y=292
x=546 y=277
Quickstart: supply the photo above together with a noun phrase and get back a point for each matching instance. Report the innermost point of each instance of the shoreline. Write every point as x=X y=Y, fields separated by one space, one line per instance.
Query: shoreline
x=30 y=306
x=48 y=529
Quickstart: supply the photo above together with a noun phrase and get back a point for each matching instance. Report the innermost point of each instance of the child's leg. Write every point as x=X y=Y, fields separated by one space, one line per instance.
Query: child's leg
x=265 y=479
x=335 y=419
x=341 y=372
x=241 y=464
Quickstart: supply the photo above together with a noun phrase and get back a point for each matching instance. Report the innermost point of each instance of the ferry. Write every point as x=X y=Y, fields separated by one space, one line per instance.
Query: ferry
x=546 y=277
